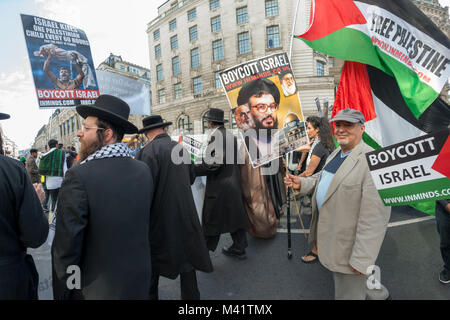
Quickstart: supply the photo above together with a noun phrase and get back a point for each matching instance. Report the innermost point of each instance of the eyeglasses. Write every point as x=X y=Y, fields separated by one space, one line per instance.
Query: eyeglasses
x=264 y=107
x=85 y=128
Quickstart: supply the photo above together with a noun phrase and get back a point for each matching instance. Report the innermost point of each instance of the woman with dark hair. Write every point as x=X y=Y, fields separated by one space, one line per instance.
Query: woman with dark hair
x=319 y=132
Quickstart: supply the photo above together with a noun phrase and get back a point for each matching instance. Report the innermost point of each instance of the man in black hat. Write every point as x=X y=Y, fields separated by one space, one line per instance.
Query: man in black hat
x=223 y=209
x=101 y=248
x=22 y=225
x=177 y=243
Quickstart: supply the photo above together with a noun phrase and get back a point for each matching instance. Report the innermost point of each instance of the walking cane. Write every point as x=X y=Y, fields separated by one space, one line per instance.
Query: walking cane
x=289 y=255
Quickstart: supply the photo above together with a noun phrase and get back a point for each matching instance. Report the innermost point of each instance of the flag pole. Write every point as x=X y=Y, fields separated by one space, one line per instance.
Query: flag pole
x=293 y=29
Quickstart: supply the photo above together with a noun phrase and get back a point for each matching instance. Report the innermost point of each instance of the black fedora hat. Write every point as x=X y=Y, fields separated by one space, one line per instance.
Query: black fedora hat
x=4 y=116
x=153 y=122
x=215 y=115
x=111 y=109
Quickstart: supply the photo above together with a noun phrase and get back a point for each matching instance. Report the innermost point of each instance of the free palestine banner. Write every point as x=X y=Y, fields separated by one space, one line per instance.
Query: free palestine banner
x=412 y=171
x=393 y=36
x=61 y=63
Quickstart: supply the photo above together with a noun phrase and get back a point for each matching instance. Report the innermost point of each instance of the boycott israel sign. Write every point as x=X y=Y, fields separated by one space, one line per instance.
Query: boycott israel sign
x=61 y=63
x=412 y=171
x=265 y=103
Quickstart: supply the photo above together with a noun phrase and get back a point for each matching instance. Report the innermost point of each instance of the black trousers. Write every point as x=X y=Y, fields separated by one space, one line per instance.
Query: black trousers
x=239 y=240
x=54 y=196
x=188 y=286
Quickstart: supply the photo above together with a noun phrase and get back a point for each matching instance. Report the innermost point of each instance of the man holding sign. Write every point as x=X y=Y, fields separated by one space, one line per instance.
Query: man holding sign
x=349 y=220
x=64 y=81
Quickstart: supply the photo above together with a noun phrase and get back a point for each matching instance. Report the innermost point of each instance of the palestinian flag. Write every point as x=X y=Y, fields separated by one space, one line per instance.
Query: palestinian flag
x=388 y=119
x=393 y=36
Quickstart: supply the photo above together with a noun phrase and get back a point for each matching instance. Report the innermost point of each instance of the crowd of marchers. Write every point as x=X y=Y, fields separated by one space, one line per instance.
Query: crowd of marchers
x=123 y=220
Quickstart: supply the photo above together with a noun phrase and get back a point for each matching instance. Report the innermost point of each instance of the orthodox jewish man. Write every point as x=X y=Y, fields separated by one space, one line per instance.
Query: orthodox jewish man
x=223 y=209
x=102 y=223
x=177 y=243
x=22 y=225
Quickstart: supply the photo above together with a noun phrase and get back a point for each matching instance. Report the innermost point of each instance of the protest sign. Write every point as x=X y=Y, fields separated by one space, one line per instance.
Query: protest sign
x=263 y=96
x=195 y=144
x=410 y=171
x=61 y=63
x=133 y=92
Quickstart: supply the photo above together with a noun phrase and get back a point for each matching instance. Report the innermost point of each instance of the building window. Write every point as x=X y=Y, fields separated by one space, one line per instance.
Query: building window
x=195 y=58
x=217 y=83
x=273 y=37
x=192 y=14
x=157 y=51
x=177 y=91
x=197 y=85
x=215 y=24
x=73 y=124
x=241 y=15
x=60 y=130
x=217 y=50
x=162 y=96
x=64 y=128
x=78 y=124
x=156 y=34
x=159 y=72
x=244 y=42
x=175 y=65
x=172 y=24
x=213 y=4
x=184 y=123
x=320 y=68
x=174 y=42
x=204 y=124
x=122 y=67
x=193 y=33
x=271 y=8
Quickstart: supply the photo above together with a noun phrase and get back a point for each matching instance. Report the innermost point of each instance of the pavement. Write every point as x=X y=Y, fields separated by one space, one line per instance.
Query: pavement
x=409 y=260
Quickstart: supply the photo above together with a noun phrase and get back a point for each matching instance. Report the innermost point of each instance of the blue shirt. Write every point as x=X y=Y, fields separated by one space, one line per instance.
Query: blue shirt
x=328 y=173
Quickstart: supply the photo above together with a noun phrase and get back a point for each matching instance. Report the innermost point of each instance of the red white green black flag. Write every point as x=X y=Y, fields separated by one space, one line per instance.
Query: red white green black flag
x=393 y=36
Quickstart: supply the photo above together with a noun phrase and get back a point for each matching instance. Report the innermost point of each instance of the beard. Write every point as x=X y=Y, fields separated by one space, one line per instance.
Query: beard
x=288 y=91
x=259 y=124
x=88 y=148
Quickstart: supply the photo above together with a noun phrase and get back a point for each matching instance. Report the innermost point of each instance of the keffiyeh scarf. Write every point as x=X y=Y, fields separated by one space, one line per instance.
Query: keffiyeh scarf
x=110 y=151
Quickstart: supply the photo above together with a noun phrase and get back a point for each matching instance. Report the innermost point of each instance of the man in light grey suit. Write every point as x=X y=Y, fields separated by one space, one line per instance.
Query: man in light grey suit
x=349 y=219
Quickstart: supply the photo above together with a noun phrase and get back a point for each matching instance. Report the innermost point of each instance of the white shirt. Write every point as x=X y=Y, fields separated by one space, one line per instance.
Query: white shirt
x=55 y=182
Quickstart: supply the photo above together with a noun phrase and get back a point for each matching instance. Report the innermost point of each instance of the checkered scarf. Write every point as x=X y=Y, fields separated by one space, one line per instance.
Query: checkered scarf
x=110 y=151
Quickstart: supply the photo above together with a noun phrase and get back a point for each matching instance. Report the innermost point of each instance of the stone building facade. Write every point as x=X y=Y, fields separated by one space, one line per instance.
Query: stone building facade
x=192 y=40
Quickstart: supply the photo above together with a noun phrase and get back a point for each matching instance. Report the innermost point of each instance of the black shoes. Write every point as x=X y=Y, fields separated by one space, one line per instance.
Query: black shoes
x=444 y=276
x=232 y=252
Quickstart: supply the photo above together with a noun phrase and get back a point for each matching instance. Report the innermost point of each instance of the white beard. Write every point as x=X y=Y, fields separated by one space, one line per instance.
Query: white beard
x=288 y=91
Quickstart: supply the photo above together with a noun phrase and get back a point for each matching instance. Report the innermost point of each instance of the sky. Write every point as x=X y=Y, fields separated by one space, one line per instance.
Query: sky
x=112 y=26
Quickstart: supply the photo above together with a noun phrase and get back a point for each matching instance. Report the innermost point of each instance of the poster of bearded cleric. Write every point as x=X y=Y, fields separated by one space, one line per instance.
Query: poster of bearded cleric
x=266 y=106
x=61 y=63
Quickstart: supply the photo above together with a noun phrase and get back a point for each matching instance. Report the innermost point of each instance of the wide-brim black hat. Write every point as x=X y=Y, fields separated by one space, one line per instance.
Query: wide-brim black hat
x=216 y=115
x=153 y=122
x=4 y=116
x=111 y=109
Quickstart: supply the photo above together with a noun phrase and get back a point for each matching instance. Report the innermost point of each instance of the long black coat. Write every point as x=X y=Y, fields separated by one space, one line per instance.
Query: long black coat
x=223 y=209
x=22 y=225
x=175 y=232
x=102 y=226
